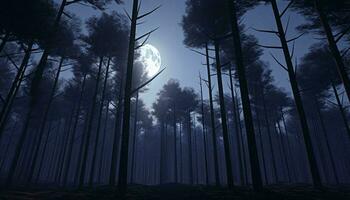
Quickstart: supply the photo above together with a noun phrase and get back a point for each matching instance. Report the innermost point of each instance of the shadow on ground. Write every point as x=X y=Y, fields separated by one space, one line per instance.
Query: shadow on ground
x=179 y=192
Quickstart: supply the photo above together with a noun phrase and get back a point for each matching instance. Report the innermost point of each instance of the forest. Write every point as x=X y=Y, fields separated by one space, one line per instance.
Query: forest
x=75 y=122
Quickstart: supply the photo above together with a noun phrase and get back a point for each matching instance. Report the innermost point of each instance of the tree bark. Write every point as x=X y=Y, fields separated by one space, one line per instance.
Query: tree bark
x=334 y=48
x=73 y=134
x=204 y=135
x=89 y=128
x=175 y=149
x=134 y=139
x=212 y=119
x=342 y=110
x=43 y=123
x=97 y=135
x=253 y=153
x=103 y=143
x=123 y=165
x=6 y=108
x=297 y=98
x=223 y=118
x=325 y=135
x=235 y=120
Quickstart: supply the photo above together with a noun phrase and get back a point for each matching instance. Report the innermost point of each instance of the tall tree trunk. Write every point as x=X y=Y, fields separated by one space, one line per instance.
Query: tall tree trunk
x=341 y=109
x=241 y=140
x=73 y=134
x=123 y=169
x=90 y=123
x=334 y=48
x=212 y=119
x=190 y=160
x=235 y=120
x=117 y=131
x=42 y=157
x=132 y=170
x=228 y=161
x=65 y=141
x=97 y=135
x=44 y=121
x=161 y=157
x=7 y=148
x=175 y=149
x=284 y=153
x=204 y=135
x=267 y=124
x=261 y=144
x=181 y=161
x=103 y=143
x=81 y=149
x=325 y=135
x=289 y=145
x=39 y=70
x=253 y=153
x=297 y=98
x=6 y=108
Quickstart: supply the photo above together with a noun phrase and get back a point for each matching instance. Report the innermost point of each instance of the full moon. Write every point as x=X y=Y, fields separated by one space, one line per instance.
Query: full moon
x=150 y=58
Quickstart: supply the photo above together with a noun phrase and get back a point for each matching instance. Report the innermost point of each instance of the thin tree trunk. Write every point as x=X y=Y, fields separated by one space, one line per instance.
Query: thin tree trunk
x=212 y=119
x=228 y=161
x=63 y=151
x=289 y=145
x=175 y=149
x=6 y=108
x=103 y=143
x=241 y=139
x=89 y=128
x=97 y=135
x=267 y=124
x=253 y=153
x=342 y=110
x=297 y=98
x=204 y=135
x=235 y=120
x=39 y=70
x=161 y=157
x=325 y=135
x=73 y=134
x=81 y=149
x=284 y=154
x=117 y=132
x=190 y=162
x=123 y=164
x=261 y=145
x=42 y=157
x=134 y=139
x=334 y=48
x=8 y=144
x=43 y=123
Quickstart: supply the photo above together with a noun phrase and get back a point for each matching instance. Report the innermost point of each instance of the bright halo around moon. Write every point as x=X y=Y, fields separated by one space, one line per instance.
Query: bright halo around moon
x=150 y=58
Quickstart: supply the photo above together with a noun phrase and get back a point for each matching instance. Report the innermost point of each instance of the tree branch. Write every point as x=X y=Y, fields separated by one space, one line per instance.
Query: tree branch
x=146 y=83
x=285 y=68
x=198 y=52
x=146 y=34
x=299 y=36
x=285 y=10
x=269 y=47
x=148 y=13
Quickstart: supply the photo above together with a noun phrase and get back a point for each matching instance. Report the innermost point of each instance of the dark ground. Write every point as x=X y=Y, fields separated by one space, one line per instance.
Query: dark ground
x=179 y=192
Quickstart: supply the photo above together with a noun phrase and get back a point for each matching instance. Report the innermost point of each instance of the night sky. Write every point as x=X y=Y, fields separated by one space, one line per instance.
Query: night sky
x=183 y=64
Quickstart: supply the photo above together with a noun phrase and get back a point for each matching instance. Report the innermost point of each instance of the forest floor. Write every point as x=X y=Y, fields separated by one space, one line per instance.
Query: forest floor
x=179 y=192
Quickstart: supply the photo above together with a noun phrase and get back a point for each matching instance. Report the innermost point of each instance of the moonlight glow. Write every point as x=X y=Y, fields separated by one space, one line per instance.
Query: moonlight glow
x=150 y=57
